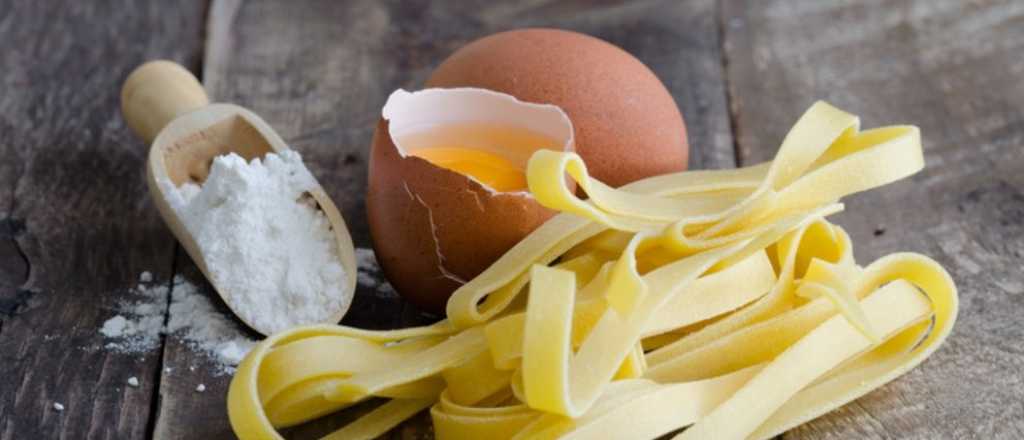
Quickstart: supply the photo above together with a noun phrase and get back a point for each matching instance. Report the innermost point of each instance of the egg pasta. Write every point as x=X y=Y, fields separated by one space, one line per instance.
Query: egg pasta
x=719 y=301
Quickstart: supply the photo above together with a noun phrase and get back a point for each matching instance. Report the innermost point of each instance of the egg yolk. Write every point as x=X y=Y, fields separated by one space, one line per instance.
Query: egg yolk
x=487 y=168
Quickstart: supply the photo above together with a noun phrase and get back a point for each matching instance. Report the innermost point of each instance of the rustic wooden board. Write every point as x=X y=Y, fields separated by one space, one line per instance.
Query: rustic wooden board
x=319 y=73
x=74 y=236
x=953 y=68
x=76 y=224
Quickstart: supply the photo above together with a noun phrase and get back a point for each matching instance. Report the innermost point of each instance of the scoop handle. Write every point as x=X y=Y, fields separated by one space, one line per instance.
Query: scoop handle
x=157 y=92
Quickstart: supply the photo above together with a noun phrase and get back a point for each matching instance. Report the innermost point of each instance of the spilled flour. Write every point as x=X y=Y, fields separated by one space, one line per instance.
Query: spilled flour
x=204 y=328
x=193 y=318
x=138 y=327
x=370 y=276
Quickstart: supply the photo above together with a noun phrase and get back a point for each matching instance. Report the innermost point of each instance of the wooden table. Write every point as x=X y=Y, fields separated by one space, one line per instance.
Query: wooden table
x=77 y=225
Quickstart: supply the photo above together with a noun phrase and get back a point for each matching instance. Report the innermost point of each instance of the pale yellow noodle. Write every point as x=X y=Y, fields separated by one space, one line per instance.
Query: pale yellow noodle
x=761 y=317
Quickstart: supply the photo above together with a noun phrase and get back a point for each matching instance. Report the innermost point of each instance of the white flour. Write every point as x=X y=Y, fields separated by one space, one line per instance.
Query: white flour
x=370 y=274
x=206 y=329
x=267 y=247
x=193 y=319
x=137 y=329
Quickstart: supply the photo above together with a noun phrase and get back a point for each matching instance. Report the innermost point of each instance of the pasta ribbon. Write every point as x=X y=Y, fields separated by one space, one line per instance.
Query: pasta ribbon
x=721 y=301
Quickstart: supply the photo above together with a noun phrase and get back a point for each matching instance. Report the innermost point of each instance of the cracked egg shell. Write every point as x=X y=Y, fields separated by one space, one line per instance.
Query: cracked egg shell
x=628 y=126
x=433 y=228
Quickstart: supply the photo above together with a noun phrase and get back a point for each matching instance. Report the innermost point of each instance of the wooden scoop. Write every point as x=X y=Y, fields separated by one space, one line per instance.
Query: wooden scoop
x=165 y=105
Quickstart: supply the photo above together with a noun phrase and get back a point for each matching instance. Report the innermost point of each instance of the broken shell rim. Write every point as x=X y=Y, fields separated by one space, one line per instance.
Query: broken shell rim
x=401 y=97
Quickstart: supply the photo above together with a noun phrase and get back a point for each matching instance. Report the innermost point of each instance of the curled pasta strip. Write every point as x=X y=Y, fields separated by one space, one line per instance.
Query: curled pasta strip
x=721 y=301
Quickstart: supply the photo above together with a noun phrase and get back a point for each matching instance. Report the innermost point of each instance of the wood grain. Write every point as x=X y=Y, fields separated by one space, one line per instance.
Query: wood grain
x=185 y=411
x=76 y=226
x=319 y=72
x=953 y=68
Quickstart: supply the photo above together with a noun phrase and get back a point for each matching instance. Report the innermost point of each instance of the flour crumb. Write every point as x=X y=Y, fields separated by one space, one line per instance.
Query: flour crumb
x=146 y=277
x=200 y=388
x=233 y=351
x=57 y=406
x=133 y=381
x=268 y=249
x=370 y=274
x=114 y=327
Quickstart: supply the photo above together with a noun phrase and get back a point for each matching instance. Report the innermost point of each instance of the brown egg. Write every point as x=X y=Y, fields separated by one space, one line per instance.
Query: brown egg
x=434 y=228
x=627 y=125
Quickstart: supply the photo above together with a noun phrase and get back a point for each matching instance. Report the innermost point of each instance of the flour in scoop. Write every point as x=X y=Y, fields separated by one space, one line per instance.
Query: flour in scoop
x=266 y=245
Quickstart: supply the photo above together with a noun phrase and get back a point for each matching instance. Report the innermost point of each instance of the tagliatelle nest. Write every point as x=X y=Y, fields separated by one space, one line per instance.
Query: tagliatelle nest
x=718 y=300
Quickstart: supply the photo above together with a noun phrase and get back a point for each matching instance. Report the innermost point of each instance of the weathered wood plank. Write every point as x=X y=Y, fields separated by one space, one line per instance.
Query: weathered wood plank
x=185 y=411
x=953 y=68
x=76 y=225
x=319 y=72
